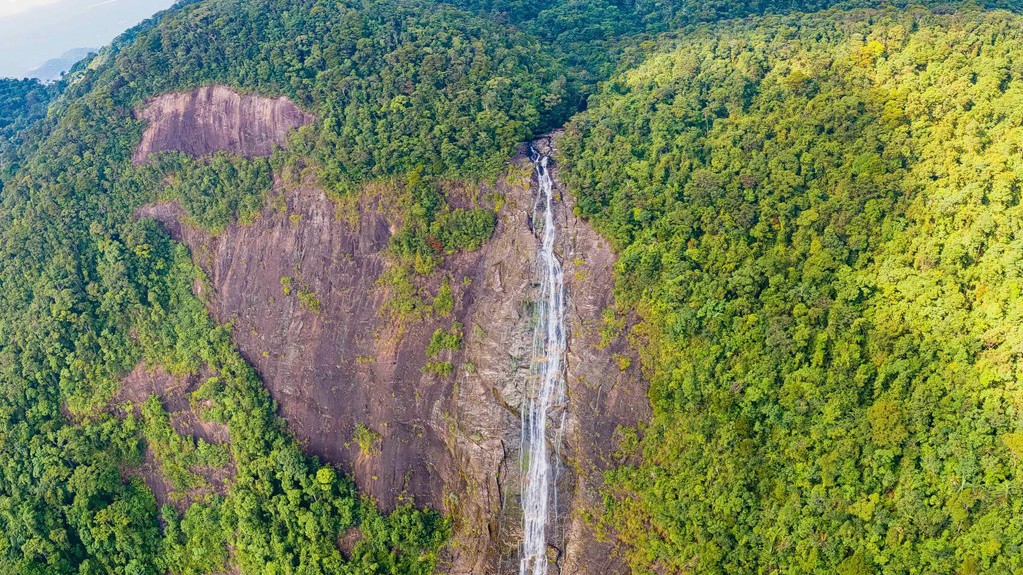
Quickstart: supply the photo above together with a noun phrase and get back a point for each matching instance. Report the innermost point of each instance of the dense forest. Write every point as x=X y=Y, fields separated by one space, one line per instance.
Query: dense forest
x=818 y=259
x=817 y=224
x=22 y=104
x=89 y=292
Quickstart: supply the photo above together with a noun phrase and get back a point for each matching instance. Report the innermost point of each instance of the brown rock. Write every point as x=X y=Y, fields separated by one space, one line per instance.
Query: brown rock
x=216 y=118
x=447 y=442
x=175 y=393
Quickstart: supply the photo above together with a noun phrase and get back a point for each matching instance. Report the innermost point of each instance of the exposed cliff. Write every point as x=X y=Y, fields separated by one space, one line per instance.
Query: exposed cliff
x=339 y=366
x=818 y=259
x=216 y=118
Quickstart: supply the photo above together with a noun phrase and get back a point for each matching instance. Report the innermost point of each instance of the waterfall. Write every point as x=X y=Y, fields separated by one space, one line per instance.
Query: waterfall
x=544 y=402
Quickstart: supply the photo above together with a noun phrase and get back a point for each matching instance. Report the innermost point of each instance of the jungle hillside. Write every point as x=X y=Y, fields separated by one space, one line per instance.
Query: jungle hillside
x=817 y=266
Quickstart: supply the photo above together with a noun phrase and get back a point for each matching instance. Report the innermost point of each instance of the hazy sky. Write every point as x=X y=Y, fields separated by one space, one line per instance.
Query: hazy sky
x=34 y=31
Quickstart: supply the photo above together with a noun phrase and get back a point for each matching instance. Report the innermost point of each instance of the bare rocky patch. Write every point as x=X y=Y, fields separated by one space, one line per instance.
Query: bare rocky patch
x=215 y=118
x=300 y=286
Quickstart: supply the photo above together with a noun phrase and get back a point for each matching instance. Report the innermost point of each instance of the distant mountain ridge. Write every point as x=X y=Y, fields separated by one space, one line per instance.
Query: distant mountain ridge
x=53 y=69
x=33 y=36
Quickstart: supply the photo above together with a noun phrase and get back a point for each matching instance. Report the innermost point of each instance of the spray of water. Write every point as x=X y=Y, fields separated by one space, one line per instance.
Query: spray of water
x=543 y=411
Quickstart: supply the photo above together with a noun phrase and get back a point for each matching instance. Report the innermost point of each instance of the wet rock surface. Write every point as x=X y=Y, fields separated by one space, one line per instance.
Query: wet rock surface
x=216 y=118
x=605 y=386
x=606 y=390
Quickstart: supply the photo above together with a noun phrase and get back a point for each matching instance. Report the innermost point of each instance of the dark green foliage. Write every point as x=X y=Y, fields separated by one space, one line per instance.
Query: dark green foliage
x=282 y=508
x=73 y=510
x=462 y=229
x=817 y=224
x=177 y=455
x=817 y=230
x=193 y=544
x=89 y=292
x=453 y=230
x=22 y=103
x=398 y=85
x=411 y=244
x=389 y=542
x=214 y=191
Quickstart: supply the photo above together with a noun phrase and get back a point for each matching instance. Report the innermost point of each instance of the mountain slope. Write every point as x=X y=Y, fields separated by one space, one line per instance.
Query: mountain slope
x=54 y=68
x=22 y=103
x=817 y=219
x=814 y=252
x=89 y=292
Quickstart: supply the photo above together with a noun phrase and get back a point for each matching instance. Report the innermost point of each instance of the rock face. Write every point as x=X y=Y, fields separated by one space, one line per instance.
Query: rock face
x=338 y=366
x=335 y=362
x=602 y=395
x=606 y=389
x=216 y=118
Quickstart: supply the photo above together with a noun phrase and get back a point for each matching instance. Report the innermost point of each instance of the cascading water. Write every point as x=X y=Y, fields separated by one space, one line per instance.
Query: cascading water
x=543 y=410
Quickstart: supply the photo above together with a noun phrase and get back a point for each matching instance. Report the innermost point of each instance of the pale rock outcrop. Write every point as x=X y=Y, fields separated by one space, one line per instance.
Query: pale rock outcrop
x=216 y=118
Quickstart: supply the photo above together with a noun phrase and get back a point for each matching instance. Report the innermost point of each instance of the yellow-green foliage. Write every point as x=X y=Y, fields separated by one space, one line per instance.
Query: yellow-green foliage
x=808 y=225
x=405 y=300
x=305 y=294
x=90 y=290
x=309 y=300
x=367 y=439
x=431 y=230
x=445 y=340
x=178 y=454
x=444 y=301
x=442 y=368
x=818 y=220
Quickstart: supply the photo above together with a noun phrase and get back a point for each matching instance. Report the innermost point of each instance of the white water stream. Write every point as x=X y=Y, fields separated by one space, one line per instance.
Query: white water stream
x=544 y=403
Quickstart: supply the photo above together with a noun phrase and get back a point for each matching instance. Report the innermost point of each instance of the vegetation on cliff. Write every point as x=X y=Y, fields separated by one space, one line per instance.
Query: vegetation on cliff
x=89 y=292
x=818 y=224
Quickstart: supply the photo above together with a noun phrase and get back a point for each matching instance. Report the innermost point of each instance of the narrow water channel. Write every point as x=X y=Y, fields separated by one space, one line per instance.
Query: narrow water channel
x=543 y=413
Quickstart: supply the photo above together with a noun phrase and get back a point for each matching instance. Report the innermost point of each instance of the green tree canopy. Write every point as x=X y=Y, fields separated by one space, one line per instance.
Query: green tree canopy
x=817 y=221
